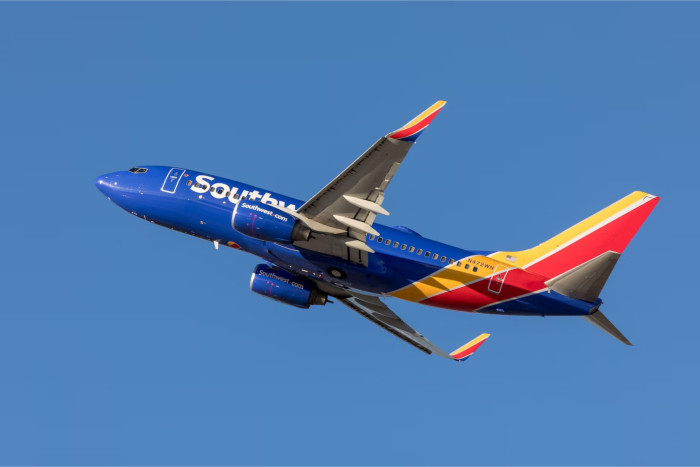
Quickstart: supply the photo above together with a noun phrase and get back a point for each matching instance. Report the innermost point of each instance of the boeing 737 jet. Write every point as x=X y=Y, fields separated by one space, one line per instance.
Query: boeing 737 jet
x=331 y=245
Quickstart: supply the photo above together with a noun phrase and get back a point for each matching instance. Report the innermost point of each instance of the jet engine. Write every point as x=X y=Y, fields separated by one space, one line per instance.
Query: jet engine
x=286 y=287
x=268 y=223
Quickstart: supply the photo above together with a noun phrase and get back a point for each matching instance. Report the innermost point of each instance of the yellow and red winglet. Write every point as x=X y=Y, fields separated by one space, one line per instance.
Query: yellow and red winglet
x=413 y=129
x=469 y=348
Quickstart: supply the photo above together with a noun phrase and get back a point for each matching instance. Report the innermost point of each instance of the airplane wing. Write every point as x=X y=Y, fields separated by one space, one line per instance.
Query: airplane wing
x=376 y=311
x=342 y=213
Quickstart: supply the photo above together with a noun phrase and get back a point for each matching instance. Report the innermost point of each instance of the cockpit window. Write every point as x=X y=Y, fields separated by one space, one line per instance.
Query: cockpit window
x=138 y=170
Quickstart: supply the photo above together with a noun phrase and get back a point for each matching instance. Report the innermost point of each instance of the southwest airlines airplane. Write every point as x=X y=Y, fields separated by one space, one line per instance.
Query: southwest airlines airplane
x=331 y=246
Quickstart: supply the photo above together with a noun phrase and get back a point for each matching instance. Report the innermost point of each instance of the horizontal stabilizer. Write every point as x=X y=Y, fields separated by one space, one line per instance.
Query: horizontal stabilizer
x=586 y=280
x=599 y=320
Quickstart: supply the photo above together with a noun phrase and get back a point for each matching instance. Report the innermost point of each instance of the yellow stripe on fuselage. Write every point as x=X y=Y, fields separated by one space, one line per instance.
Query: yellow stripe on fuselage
x=448 y=278
x=525 y=257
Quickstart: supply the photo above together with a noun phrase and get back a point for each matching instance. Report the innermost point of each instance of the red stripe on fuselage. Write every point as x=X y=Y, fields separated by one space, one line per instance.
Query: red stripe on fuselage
x=477 y=295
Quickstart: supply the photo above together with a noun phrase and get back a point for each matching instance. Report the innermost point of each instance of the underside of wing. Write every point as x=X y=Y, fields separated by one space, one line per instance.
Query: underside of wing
x=376 y=311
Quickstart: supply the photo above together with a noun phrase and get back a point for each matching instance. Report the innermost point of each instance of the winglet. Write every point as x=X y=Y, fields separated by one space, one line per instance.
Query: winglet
x=413 y=129
x=469 y=348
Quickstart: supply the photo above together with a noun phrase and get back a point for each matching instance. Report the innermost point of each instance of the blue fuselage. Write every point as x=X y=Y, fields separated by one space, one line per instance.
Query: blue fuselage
x=174 y=198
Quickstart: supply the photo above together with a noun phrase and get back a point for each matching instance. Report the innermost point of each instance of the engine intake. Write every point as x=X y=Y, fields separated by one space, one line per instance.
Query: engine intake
x=286 y=287
x=269 y=223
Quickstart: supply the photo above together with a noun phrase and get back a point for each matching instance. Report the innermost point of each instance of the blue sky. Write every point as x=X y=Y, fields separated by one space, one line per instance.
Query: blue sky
x=125 y=343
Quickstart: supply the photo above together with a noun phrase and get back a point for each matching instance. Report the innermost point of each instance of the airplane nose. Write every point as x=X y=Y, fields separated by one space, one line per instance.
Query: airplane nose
x=102 y=184
x=106 y=184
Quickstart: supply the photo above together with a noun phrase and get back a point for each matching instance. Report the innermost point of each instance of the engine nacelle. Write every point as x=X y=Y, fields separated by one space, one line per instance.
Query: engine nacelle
x=286 y=287
x=269 y=223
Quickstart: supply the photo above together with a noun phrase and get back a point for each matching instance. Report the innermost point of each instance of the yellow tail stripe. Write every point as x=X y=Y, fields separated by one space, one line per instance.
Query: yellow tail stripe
x=525 y=257
x=428 y=111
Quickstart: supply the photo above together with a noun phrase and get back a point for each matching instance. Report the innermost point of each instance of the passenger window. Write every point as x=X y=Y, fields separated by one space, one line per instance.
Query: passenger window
x=459 y=264
x=435 y=256
x=219 y=190
x=227 y=193
x=442 y=260
x=403 y=247
x=411 y=249
x=387 y=242
x=380 y=239
x=371 y=237
x=395 y=244
x=419 y=252
x=189 y=182
x=427 y=254
x=235 y=196
x=475 y=269
x=211 y=189
x=451 y=261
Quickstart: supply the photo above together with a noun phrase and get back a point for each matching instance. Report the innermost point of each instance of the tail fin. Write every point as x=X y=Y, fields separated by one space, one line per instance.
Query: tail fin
x=609 y=230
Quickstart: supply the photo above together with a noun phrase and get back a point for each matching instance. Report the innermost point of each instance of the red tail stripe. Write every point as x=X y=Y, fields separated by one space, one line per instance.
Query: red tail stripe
x=614 y=236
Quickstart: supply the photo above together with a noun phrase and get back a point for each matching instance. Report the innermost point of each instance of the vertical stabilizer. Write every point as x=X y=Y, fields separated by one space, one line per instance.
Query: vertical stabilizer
x=610 y=229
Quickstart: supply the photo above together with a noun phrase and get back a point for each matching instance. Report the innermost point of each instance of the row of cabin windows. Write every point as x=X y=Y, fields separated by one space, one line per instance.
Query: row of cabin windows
x=411 y=249
x=218 y=190
x=419 y=252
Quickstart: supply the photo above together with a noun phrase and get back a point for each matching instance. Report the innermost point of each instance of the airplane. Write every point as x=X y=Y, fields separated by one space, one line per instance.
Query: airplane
x=330 y=246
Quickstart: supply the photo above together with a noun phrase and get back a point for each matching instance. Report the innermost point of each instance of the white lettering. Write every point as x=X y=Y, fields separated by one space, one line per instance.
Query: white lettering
x=267 y=199
x=274 y=276
x=291 y=206
x=204 y=184
x=255 y=207
x=202 y=180
x=231 y=198
x=216 y=193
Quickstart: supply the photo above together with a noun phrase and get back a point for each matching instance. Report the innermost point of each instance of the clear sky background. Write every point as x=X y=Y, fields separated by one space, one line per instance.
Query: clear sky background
x=125 y=343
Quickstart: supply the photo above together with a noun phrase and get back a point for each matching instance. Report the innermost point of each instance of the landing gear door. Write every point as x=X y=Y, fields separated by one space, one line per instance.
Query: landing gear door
x=172 y=180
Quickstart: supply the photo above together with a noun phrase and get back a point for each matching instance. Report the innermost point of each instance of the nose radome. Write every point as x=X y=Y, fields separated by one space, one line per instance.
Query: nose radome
x=106 y=183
